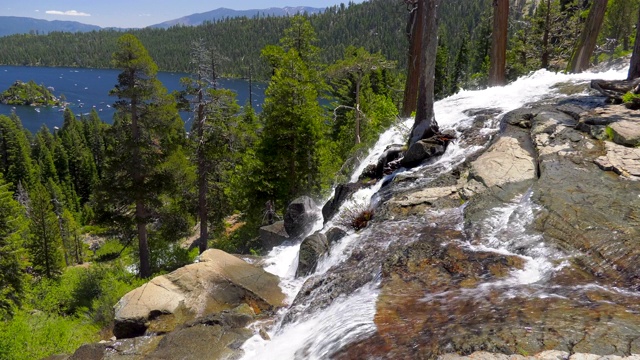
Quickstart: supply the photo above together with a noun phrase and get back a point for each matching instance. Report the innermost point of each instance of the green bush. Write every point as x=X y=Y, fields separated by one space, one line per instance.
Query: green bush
x=37 y=335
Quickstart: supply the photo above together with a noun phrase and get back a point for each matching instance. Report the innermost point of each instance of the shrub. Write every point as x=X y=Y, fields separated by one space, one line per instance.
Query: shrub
x=356 y=217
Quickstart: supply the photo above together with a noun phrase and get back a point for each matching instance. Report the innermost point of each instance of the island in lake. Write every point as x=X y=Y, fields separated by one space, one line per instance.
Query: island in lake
x=29 y=93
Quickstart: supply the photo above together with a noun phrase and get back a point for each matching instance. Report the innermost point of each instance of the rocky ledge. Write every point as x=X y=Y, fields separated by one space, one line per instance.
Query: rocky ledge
x=200 y=311
x=540 y=258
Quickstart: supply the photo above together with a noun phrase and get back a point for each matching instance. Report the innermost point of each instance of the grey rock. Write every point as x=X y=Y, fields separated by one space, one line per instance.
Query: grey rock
x=341 y=194
x=334 y=235
x=312 y=248
x=272 y=235
x=626 y=133
x=300 y=216
x=421 y=151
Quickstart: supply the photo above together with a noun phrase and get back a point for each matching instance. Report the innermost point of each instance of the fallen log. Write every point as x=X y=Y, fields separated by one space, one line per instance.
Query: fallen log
x=615 y=89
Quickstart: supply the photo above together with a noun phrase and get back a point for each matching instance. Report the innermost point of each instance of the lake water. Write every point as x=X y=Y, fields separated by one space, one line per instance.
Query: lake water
x=86 y=89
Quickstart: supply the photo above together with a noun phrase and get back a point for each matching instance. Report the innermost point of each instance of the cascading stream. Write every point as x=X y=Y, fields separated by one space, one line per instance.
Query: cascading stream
x=321 y=333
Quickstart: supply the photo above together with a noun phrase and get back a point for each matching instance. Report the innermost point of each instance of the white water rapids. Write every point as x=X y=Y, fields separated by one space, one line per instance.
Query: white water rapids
x=348 y=319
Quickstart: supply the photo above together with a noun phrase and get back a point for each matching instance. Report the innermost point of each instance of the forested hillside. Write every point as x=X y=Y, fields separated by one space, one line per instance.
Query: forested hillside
x=377 y=25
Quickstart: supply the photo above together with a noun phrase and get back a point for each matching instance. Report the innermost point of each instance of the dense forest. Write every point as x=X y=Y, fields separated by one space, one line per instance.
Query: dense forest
x=125 y=197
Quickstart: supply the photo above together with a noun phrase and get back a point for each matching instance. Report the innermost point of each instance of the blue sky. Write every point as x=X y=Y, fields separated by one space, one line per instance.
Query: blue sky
x=136 y=13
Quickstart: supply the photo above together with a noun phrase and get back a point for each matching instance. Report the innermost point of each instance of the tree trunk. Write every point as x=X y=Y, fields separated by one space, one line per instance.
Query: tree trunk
x=358 y=111
x=425 y=124
x=497 y=72
x=634 y=67
x=138 y=182
x=143 y=243
x=545 y=37
x=202 y=179
x=588 y=38
x=416 y=25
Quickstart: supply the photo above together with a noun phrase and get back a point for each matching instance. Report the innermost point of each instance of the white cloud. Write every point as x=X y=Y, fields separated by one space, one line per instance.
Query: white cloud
x=144 y=15
x=37 y=10
x=68 y=13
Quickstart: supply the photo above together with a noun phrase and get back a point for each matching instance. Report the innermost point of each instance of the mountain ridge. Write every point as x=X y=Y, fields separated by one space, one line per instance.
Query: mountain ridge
x=10 y=25
x=221 y=13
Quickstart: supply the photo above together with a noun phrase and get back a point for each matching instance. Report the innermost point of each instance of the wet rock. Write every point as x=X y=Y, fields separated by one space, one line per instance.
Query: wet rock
x=124 y=349
x=369 y=172
x=334 y=235
x=425 y=149
x=311 y=249
x=342 y=193
x=507 y=161
x=219 y=281
x=626 y=133
x=300 y=216
x=392 y=153
x=622 y=160
x=272 y=235
x=218 y=336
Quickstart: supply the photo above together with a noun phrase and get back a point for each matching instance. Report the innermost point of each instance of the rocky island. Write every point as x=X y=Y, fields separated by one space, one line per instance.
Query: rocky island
x=29 y=94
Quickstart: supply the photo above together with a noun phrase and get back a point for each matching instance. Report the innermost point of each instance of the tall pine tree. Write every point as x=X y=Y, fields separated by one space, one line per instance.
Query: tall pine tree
x=146 y=132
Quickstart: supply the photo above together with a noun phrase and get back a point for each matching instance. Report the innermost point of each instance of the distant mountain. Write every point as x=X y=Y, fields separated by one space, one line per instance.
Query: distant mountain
x=10 y=25
x=221 y=13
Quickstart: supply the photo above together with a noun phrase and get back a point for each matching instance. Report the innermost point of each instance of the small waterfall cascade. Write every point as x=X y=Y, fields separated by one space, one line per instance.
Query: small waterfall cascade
x=304 y=332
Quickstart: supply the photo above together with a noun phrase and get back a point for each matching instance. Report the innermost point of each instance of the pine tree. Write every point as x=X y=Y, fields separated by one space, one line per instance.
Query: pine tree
x=354 y=68
x=13 y=229
x=45 y=245
x=292 y=117
x=146 y=132
x=15 y=159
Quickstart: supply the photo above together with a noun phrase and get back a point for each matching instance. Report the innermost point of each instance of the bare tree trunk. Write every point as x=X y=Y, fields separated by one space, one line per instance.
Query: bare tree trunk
x=545 y=37
x=497 y=72
x=203 y=209
x=425 y=124
x=415 y=29
x=358 y=111
x=143 y=243
x=634 y=67
x=588 y=38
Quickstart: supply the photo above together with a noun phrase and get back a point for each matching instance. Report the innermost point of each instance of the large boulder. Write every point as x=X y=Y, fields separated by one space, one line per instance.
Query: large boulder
x=312 y=248
x=300 y=215
x=220 y=281
x=342 y=193
x=334 y=235
x=273 y=235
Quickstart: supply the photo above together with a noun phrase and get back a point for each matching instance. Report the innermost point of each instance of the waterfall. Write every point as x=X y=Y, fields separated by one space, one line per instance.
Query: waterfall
x=348 y=318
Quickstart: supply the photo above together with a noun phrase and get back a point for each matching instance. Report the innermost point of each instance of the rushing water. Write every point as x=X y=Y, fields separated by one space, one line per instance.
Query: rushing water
x=322 y=333
x=87 y=89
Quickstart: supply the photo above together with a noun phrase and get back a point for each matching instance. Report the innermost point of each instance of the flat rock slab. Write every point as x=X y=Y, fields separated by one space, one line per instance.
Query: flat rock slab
x=506 y=161
x=626 y=132
x=624 y=161
x=545 y=355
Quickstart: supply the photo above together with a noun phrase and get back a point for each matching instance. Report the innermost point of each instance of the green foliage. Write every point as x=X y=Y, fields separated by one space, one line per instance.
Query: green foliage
x=38 y=335
x=110 y=250
x=15 y=159
x=29 y=93
x=293 y=127
x=13 y=227
x=45 y=243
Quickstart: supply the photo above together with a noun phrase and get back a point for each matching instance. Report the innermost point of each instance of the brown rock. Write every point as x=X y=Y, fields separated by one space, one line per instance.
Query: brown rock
x=220 y=281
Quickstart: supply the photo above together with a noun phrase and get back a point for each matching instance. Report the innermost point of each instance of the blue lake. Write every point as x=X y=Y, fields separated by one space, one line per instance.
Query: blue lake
x=86 y=89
